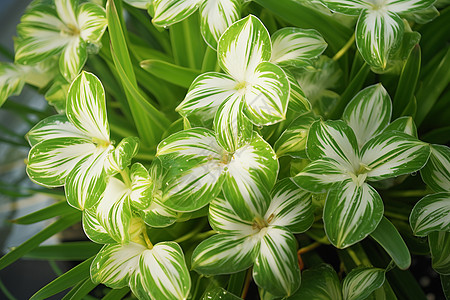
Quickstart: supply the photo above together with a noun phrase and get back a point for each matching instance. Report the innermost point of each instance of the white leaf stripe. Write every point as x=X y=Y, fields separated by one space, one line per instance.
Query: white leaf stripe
x=86 y=107
x=295 y=46
x=290 y=207
x=267 y=99
x=242 y=47
x=164 y=273
x=377 y=32
x=66 y=11
x=224 y=219
x=408 y=6
x=276 y=267
x=351 y=213
x=141 y=187
x=168 y=12
x=114 y=264
x=368 y=113
x=73 y=58
x=205 y=95
x=360 y=283
x=392 y=154
x=436 y=172
x=351 y=7
x=94 y=230
x=431 y=213
x=92 y=22
x=216 y=17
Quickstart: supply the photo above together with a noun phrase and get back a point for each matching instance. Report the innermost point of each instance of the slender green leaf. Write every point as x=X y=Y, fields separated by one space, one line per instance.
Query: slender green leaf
x=58 y=209
x=180 y=76
x=65 y=251
x=81 y=290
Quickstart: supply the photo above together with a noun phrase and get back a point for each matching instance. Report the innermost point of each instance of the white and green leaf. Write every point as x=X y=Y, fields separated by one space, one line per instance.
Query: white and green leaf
x=403 y=124
x=66 y=10
x=408 y=6
x=158 y=216
x=122 y=155
x=351 y=213
x=392 y=154
x=431 y=213
x=169 y=12
x=141 y=187
x=73 y=58
x=321 y=283
x=11 y=81
x=440 y=251
x=348 y=7
x=291 y=207
x=296 y=47
x=94 y=230
x=297 y=99
x=91 y=20
x=216 y=16
x=276 y=265
x=361 y=282
x=436 y=173
x=368 y=113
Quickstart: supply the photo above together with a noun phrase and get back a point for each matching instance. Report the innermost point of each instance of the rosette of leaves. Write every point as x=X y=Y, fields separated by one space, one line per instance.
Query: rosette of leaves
x=380 y=28
x=63 y=28
x=266 y=242
x=348 y=154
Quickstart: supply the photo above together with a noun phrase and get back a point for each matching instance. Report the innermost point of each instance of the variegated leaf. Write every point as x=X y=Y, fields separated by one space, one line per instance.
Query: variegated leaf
x=391 y=154
x=224 y=219
x=87 y=180
x=436 y=173
x=336 y=140
x=266 y=95
x=94 y=230
x=41 y=34
x=407 y=6
x=403 y=124
x=276 y=266
x=53 y=127
x=73 y=58
x=351 y=213
x=242 y=47
x=115 y=264
x=141 y=187
x=191 y=166
x=216 y=16
x=113 y=210
x=319 y=282
x=158 y=216
x=290 y=207
x=361 y=282
x=296 y=47
x=252 y=171
x=168 y=12
x=348 y=7
x=297 y=98
x=122 y=155
x=205 y=95
x=368 y=113
x=86 y=108
x=91 y=19
x=138 y=288
x=440 y=251
x=66 y=10
x=224 y=254
x=233 y=129
x=11 y=81
x=431 y=213
x=142 y=4
x=320 y=175
x=164 y=273
x=377 y=33
x=292 y=141
x=51 y=161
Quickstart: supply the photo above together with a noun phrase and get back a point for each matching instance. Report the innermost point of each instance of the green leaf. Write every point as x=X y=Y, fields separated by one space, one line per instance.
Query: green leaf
x=218 y=293
x=290 y=207
x=445 y=282
x=431 y=213
x=319 y=282
x=389 y=238
x=252 y=171
x=73 y=58
x=58 y=209
x=224 y=254
x=169 y=12
x=368 y=113
x=11 y=81
x=164 y=263
x=336 y=140
x=205 y=95
x=351 y=213
x=403 y=124
x=216 y=17
x=249 y=34
x=292 y=141
x=296 y=47
x=82 y=289
x=436 y=173
x=115 y=264
x=37 y=239
x=392 y=154
x=65 y=251
x=440 y=251
x=157 y=215
x=175 y=74
x=320 y=175
x=361 y=282
x=377 y=33
x=276 y=265
x=68 y=279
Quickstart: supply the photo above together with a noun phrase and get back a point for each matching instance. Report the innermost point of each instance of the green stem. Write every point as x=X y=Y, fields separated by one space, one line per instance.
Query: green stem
x=197 y=286
x=6 y=292
x=187 y=236
x=345 y=48
x=147 y=240
x=408 y=193
x=125 y=177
